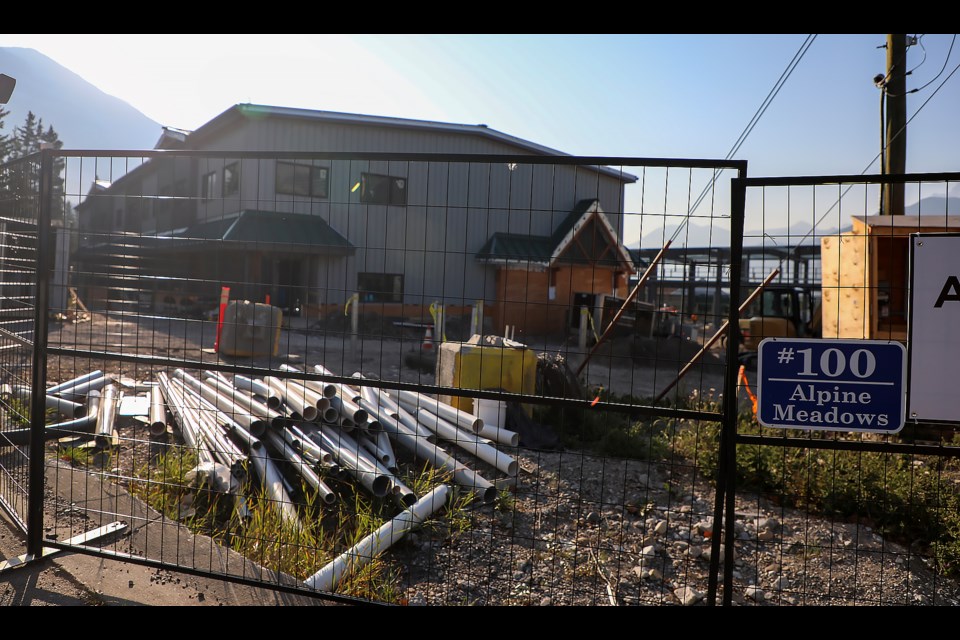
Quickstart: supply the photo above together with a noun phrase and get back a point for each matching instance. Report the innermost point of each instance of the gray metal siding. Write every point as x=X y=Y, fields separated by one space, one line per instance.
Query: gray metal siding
x=452 y=208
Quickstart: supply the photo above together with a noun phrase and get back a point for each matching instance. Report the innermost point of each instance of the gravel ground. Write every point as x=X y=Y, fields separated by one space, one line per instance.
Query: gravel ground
x=576 y=529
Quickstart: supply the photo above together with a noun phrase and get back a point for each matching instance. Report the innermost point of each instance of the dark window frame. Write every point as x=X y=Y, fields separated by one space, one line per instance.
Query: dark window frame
x=377 y=188
x=315 y=178
x=380 y=287
x=231 y=185
x=208 y=185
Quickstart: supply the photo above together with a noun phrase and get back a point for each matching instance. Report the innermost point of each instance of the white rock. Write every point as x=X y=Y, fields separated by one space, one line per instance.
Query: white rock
x=755 y=593
x=649 y=551
x=688 y=596
x=654 y=574
x=661 y=528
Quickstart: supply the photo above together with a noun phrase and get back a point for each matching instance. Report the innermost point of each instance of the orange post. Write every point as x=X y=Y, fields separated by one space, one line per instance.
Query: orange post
x=224 y=300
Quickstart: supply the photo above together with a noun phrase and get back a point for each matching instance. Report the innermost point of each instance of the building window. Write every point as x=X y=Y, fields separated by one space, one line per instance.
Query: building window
x=302 y=180
x=380 y=287
x=378 y=189
x=231 y=179
x=208 y=185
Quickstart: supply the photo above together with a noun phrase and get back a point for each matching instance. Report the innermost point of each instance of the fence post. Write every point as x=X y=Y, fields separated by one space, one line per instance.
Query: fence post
x=582 y=336
x=38 y=410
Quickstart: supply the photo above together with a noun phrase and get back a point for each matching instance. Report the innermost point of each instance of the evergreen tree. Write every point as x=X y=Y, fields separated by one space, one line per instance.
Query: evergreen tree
x=20 y=181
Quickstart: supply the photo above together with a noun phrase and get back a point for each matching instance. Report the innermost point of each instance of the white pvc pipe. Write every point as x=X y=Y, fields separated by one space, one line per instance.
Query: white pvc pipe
x=255 y=408
x=383 y=538
x=76 y=381
x=81 y=390
x=255 y=387
x=273 y=484
x=448 y=412
x=107 y=416
x=469 y=443
x=158 y=412
x=293 y=396
x=288 y=451
x=248 y=421
x=436 y=456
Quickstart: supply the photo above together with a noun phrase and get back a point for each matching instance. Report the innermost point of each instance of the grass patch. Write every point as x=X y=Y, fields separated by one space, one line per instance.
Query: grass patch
x=251 y=525
x=908 y=498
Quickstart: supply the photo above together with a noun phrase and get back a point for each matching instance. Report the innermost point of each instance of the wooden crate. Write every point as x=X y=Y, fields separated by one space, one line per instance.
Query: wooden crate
x=866 y=275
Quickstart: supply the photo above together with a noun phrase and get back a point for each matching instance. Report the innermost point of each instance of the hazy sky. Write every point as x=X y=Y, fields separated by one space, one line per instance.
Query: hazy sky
x=631 y=95
x=683 y=96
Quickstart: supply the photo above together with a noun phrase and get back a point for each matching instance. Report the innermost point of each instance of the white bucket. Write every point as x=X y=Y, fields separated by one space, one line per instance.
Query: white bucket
x=492 y=412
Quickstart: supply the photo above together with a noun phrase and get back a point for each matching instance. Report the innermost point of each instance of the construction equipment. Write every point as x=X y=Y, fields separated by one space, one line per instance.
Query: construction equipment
x=781 y=311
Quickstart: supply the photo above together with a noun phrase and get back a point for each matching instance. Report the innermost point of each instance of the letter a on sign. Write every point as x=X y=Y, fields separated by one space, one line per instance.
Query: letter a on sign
x=952 y=284
x=934 y=327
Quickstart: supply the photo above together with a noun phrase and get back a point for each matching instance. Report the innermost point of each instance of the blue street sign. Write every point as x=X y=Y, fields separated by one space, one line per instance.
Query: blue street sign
x=836 y=385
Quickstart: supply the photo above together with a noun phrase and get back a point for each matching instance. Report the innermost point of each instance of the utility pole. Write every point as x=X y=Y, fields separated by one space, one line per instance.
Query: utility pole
x=895 y=125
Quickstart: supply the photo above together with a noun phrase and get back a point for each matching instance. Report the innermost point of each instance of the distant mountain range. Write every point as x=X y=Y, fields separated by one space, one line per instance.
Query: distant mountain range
x=82 y=115
x=701 y=235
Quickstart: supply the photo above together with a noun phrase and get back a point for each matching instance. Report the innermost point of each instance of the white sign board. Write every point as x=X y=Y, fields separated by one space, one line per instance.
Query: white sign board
x=934 y=341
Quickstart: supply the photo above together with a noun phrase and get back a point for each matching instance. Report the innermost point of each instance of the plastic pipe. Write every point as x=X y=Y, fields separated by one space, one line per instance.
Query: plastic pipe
x=256 y=387
x=273 y=485
x=158 y=412
x=448 y=412
x=287 y=451
x=210 y=422
x=107 y=416
x=469 y=443
x=293 y=397
x=299 y=440
x=436 y=456
x=378 y=484
x=246 y=401
x=244 y=418
x=80 y=391
x=76 y=381
x=84 y=424
x=325 y=389
x=188 y=430
x=383 y=538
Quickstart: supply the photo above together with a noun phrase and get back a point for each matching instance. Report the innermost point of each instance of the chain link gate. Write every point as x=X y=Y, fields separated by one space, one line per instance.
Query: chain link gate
x=20 y=183
x=268 y=300
x=833 y=517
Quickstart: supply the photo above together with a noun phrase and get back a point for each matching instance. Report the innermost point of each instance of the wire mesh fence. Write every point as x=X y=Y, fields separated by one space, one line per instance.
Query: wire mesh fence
x=846 y=509
x=398 y=378
x=18 y=266
x=424 y=379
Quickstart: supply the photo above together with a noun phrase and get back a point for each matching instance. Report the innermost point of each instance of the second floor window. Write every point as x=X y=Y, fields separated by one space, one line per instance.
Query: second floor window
x=379 y=189
x=231 y=179
x=302 y=180
x=209 y=186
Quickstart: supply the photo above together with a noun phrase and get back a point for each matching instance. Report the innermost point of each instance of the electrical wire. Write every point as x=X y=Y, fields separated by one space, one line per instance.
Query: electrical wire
x=946 y=60
x=762 y=109
x=875 y=158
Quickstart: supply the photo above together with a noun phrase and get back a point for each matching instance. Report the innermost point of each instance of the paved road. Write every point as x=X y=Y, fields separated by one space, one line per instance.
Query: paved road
x=73 y=579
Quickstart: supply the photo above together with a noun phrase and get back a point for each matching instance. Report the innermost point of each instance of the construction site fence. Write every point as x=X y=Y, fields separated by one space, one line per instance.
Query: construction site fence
x=429 y=288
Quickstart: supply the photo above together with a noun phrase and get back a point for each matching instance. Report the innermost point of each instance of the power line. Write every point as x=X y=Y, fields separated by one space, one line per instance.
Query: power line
x=876 y=157
x=762 y=109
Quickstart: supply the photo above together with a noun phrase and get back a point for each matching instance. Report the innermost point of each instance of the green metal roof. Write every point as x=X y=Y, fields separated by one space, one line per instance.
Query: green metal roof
x=254 y=228
x=514 y=246
x=511 y=247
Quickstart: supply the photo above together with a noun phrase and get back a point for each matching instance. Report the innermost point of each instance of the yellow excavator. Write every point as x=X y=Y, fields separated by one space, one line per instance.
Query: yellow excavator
x=781 y=311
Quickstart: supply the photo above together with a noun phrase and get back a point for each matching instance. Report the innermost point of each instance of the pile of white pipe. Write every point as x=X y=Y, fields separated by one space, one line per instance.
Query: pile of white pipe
x=282 y=429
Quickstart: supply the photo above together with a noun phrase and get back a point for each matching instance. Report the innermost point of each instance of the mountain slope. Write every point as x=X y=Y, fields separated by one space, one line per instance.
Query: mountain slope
x=84 y=117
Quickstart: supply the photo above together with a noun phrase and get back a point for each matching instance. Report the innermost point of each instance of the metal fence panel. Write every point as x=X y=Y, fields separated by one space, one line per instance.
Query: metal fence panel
x=835 y=517
x=376 y=267
x=19 y=209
